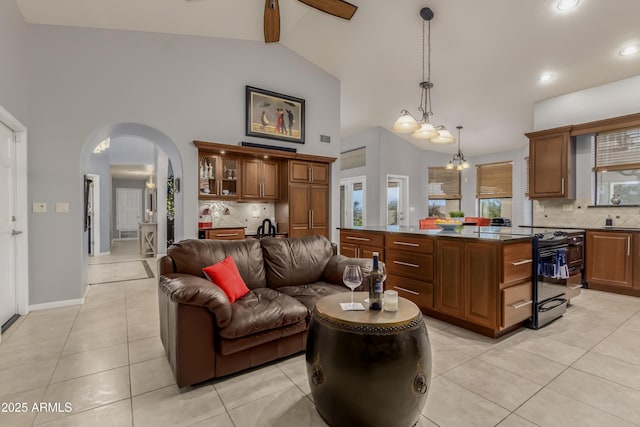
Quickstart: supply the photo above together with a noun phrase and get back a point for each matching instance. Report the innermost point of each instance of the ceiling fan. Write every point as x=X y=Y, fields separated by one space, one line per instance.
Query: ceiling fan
x=339 y=8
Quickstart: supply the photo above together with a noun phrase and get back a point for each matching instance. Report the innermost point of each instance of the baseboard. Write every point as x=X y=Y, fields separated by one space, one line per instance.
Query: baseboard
x=104 y=253
x=56 y=304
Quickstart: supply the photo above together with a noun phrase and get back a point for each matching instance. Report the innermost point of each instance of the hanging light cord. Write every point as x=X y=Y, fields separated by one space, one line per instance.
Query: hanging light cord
x=425 y=93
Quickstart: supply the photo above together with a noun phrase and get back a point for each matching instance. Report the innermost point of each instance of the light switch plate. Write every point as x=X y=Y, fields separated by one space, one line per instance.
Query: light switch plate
x=539 y=207
x=62 y=207
x=567 y=208
x=39 y=207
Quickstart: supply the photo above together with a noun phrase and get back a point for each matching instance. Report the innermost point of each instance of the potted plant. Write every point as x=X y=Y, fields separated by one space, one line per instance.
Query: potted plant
x=456 y=214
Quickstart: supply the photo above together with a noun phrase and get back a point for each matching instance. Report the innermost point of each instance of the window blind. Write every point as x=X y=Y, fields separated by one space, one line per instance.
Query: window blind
x=494 y=180
x=444 y=183
x=617 y=150
x=355 y=158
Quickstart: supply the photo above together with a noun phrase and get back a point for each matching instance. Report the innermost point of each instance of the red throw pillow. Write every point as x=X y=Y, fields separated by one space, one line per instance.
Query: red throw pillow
x=226 y=275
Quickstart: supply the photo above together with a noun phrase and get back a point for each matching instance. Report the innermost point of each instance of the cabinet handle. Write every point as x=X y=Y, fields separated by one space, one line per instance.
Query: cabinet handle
x=364 y=239
x=629 y=245
x=563 y=185
x=415 y=245
x=311 y=218
x=522 y=304
x=406 y=290
x=407 y=264
x=226 y=234
x=575 y=287
x=524 y=261
x=311 y=173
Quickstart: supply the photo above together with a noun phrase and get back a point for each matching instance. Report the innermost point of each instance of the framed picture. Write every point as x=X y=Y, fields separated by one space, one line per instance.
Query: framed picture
x=274 y=115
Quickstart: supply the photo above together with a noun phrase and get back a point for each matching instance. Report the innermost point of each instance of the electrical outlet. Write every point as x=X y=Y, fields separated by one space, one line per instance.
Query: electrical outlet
x=567 y=208
x=39 y=207
x=62 y=207
x=539 y=207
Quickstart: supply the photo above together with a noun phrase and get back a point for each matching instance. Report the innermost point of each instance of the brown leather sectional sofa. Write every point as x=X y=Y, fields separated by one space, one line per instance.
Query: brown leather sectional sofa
x=205 y=336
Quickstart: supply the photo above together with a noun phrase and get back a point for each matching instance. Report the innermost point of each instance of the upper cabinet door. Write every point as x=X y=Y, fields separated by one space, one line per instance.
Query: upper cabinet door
x=270 y=179
x=303 y=171
x=551 y=164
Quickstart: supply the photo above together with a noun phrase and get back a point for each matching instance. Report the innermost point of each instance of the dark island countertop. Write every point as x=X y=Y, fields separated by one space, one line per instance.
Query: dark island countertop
x=561 y=227
x=503 y=234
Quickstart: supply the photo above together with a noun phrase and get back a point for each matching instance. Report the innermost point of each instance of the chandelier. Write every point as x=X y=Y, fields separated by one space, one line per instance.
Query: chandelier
x=458 y=162
x=407 y=123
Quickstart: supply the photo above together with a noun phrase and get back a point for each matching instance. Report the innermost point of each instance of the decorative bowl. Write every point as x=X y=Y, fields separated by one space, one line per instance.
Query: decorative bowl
x=449 y=227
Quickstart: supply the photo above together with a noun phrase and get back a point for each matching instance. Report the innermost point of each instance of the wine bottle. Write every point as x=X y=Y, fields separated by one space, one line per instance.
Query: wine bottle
x=375 y=285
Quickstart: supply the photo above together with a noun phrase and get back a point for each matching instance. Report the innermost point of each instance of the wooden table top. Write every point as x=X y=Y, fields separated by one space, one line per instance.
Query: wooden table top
x=329 y=307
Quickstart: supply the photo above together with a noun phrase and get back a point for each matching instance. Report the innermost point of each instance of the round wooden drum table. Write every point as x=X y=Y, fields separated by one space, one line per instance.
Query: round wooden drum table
x=368 y=368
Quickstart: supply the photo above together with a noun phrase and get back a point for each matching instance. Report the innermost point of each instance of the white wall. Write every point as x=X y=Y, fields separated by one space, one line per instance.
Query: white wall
x=14 y=61
x=596 y=103
x=186 y=87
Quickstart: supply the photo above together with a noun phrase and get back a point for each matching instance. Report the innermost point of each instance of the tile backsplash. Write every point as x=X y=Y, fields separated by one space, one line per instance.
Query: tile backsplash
x=576 y=213
x=234 y=214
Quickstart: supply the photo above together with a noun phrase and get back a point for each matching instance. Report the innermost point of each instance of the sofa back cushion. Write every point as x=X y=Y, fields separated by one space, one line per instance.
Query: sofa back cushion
x=295 y=261
x=191 y=256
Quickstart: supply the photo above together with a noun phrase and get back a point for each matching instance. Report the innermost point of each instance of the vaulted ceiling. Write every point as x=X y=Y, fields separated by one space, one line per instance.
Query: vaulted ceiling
x=487 y=55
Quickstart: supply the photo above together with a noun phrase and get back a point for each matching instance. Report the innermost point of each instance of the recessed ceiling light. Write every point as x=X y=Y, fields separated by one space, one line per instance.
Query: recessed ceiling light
x=630 y=50
x=545 y=77
x=567 y=4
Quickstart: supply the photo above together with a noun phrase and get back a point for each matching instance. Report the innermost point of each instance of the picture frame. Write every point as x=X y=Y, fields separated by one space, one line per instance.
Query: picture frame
x=273 y=115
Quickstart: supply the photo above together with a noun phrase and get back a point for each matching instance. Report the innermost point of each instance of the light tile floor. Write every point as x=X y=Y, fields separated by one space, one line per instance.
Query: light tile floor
x=106 y=359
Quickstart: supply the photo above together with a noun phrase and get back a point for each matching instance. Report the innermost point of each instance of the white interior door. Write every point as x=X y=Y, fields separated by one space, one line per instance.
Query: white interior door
x=128 y=209
x=397 y=200
x=8 y=302
x=353 y=201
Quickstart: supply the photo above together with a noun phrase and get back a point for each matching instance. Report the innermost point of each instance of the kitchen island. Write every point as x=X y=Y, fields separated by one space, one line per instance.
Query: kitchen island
x=479 y=278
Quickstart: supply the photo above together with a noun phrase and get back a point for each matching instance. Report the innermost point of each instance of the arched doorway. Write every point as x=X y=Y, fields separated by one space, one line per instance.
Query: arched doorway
x=165 y=160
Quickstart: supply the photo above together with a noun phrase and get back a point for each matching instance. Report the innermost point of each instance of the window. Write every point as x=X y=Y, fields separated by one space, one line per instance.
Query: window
x=617 y=167
x=355 y=158
x=352 y=201
x=444 y=191
x=494 y=189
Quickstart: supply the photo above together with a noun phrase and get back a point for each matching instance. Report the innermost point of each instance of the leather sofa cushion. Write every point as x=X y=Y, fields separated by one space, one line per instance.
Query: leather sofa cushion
x=260 y=310
x=226 y=347
x=293 y=262
x=191 y=256
x=310 y=294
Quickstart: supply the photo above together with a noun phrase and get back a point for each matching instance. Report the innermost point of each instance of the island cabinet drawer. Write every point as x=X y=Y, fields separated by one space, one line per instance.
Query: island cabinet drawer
x=517 y=304
x=407 y=243
x=409 y=264
x=362 y=238
x=517 y=262
x=421 y=293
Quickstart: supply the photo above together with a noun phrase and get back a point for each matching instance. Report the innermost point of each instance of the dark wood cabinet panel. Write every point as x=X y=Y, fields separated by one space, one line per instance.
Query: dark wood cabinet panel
x=481 y=293
x=302 y=171
x=450 y=278
x=225 y=234
x=260 y=179
x=609 y=259
x=361 y=244
x=551 y=164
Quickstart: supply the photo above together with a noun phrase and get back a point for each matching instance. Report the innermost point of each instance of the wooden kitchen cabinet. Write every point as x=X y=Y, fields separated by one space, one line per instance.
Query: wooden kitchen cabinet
x=218 y=176
x=308 y=210
x=469 y=279
x=225 y=234
x=611 y=258
x=310 y=172
x=361 y=244
x=260 y=179
x=304 y=208
x=410 y=267
x=552 y=163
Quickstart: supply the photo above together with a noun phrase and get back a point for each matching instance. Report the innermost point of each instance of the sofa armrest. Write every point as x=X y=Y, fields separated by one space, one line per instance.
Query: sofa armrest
x=193 y=290
x=333 y=271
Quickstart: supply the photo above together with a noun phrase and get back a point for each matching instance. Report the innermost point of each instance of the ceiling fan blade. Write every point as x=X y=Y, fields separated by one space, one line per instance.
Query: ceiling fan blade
x=271 y=21
x=339 y=8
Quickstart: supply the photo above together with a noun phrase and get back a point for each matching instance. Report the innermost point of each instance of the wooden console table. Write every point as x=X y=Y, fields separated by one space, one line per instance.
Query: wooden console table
x=148 y=233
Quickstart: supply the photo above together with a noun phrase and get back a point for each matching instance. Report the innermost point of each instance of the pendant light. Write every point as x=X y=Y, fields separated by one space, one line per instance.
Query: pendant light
x=407 y=123
x=458 y=161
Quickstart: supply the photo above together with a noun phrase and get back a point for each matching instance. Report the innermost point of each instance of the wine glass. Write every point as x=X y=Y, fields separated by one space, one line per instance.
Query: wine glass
x=352 y=278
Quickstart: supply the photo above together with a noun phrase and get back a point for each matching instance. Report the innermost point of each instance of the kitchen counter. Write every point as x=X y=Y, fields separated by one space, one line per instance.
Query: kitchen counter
x=223 y=227
x=503 y=234
x=603 y=228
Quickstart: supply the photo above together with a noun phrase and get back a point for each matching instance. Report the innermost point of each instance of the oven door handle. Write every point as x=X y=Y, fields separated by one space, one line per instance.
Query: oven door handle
x=559 y=301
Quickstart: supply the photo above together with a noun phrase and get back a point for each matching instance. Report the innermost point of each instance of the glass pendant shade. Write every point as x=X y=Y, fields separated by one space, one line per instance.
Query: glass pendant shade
x=405 y=123
x=465 y=165
x=449 y=166
x=444 y=137
x=426 y=131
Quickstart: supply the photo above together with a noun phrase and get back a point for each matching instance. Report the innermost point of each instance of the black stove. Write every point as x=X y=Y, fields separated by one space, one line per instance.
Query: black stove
x=552 y=238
